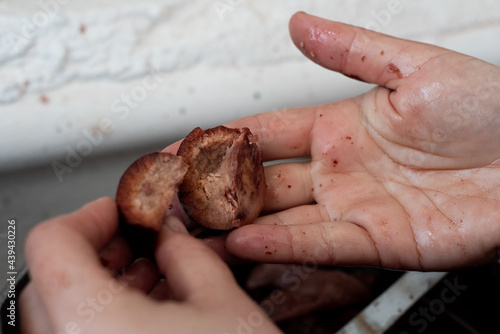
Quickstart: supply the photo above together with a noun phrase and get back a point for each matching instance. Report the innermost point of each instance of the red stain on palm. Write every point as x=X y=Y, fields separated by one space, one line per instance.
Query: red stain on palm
x=392 y=68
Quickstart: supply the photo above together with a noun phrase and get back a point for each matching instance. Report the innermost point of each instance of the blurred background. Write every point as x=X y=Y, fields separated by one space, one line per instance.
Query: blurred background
x=86 y=87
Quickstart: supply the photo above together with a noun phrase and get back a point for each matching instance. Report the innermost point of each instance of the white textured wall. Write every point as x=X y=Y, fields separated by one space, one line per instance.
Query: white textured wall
x=96 y=76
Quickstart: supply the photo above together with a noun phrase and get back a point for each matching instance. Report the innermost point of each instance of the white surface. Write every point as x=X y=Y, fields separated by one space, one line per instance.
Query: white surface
x=392 y=303
x=75 y=62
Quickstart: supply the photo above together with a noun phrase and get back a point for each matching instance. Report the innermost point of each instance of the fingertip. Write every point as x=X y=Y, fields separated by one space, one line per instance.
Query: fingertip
x=299 y=17
x=241 y=237
x=174 y=224
x=172 y=149
x=295 y=19
x=103 y=207
x=323 y=41
x=171 y=227
x=97 y=221
x=296 y=27
x=104 y=200
x=267 y=243
x=218 y=245
x=188 y=264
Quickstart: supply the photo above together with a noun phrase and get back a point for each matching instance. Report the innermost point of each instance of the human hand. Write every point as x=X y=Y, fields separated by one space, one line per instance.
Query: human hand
x=405 y=176
x=71 y=291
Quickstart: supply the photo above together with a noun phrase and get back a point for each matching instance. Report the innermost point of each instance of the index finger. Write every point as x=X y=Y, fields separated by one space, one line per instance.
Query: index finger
x=282 y=134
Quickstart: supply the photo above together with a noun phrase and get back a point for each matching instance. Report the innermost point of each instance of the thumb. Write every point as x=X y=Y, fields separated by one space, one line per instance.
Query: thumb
x=193 y=271
x=359 y=53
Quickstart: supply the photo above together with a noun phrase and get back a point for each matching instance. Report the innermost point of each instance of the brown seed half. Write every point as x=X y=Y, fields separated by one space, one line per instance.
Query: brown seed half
x=147 y=187
x=224 y=186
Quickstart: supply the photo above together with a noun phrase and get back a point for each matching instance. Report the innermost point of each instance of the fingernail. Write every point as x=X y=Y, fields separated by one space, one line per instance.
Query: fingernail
x=174 y=224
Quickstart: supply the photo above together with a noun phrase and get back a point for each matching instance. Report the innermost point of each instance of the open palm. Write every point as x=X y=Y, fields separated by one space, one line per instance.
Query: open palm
x=405 y=176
